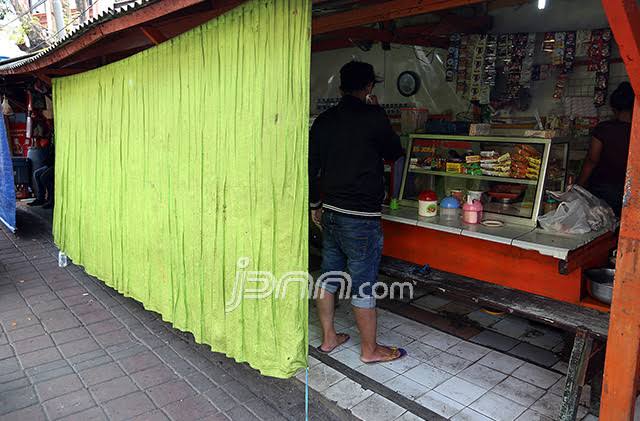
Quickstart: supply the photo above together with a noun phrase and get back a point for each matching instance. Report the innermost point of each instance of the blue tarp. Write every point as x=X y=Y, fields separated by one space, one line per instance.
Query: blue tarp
x=7 y=186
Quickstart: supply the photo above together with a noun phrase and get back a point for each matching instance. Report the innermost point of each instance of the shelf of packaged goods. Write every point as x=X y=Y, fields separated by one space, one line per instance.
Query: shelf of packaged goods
x=475 y=177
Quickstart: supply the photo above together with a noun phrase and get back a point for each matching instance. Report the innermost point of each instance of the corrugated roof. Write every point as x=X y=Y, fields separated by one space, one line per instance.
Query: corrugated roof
x=105 y=16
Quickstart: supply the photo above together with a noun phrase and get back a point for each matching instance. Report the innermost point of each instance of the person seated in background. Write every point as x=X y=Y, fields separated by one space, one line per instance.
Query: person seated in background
x=604 y=170
x=44 y=182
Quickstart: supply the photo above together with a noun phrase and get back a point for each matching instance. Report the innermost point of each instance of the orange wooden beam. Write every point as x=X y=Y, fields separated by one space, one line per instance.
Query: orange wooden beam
x=153 y=34
x=624 y=19
x=622 y=362
x=623 y=346
x=381 y=12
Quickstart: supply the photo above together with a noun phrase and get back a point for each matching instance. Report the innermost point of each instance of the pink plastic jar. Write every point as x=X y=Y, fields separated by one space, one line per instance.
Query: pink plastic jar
x=472 y=212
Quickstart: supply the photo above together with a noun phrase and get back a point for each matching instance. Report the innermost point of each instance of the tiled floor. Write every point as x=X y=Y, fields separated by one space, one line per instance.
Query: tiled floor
x=519 y=337
x=72 y=348
x=456 y=378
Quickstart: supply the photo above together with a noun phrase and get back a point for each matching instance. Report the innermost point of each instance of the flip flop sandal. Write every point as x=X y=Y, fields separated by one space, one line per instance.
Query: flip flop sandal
x=344 y=335
x=401 y=353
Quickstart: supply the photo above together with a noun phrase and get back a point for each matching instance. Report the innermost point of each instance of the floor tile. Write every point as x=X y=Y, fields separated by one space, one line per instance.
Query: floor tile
x=501 y=362
x=348 y=357
x=543 y=337
x=389 y=320
x=392 y=338
x=531 y=415
x=536 y=375
x=534 y=354
x=440 y=404
x=407 y=387
x=458 y=308
x=497 y=407
x=469 y=351
x=408 y=416
x=482 y=376
x=414 y=330
x=468 y=414
x=427 y=375
x=377 y=408
x=430 y=302
x=460 y=390
x=494 y=340
x=377 y=372
x=548 y=405
x=347 y=393
x=559 y=386
x=316 y=342
x=421 y=352
x=519 y=391
x=321 y=377
x=512 y=326
x=561 y=366
x=440 y=340
x=402 y=365
x=483 y=318
x=450 y=363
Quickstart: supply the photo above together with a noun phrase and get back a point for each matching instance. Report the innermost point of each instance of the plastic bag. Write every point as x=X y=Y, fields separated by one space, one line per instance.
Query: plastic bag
x=578 y=213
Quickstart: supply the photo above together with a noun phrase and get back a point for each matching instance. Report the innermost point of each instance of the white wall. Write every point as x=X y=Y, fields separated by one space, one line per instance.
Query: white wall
x=435 y=93
x=438 y=95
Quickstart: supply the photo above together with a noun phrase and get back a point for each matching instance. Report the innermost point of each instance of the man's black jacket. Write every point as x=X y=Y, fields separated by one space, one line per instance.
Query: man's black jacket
x=347 y=147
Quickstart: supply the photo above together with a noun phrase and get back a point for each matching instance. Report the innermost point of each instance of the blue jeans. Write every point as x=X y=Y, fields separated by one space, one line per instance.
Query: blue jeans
x=41 y=183
x=354 y=244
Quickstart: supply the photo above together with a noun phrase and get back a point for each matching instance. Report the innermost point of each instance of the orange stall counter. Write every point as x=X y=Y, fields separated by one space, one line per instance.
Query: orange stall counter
x=515 y=256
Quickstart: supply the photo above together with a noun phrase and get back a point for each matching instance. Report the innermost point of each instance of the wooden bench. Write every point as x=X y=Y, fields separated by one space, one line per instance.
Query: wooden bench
x=587 y=324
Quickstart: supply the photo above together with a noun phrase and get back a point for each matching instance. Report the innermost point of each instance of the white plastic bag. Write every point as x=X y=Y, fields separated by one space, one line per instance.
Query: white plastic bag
x=579 y=212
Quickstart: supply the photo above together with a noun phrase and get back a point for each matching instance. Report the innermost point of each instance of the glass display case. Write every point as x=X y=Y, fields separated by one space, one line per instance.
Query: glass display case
x=509 y=174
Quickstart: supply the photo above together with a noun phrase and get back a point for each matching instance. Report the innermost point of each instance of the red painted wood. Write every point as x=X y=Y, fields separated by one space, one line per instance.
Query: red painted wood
x=624 y=18
x=382 y=12
x=622 y=362
x=501 y=264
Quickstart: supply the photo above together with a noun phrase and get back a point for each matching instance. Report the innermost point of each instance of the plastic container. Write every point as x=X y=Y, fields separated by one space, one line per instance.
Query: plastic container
x=473 y=195
x=458 y=195
x=472 y=212
x=428 y=203
x=449 y=208
x=413 y=119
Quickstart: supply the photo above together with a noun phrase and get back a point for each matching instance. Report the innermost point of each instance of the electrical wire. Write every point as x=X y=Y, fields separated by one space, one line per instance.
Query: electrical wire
x=52 y=37
x=40 y=3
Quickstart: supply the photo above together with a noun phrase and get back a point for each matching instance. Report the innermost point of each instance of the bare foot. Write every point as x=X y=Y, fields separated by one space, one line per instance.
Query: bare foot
x=329 y=344
x=383 y=354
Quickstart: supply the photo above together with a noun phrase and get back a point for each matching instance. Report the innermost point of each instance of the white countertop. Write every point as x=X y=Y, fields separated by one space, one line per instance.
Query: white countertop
x=525 y=237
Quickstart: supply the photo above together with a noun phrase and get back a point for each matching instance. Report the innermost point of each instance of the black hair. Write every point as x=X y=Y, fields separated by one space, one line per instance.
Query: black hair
x=622 y=98
x=356 y=76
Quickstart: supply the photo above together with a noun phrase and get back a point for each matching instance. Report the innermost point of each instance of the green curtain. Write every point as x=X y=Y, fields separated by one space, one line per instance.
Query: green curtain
x=175 y=164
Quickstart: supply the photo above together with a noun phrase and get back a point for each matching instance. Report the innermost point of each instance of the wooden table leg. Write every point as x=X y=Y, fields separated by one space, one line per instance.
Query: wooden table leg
x=576 y=375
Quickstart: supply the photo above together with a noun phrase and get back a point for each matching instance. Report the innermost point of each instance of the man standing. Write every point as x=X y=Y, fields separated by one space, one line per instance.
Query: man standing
x=347 y=146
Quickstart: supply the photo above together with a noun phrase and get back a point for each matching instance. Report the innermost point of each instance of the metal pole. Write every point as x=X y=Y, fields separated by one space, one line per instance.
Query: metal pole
x=59 y=18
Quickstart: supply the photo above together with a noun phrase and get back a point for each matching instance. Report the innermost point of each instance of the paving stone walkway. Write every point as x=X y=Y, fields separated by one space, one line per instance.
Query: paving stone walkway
x=72 y=348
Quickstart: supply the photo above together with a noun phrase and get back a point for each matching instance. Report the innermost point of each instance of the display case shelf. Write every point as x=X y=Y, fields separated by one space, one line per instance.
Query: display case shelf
x=475 y=177
x=523 y=197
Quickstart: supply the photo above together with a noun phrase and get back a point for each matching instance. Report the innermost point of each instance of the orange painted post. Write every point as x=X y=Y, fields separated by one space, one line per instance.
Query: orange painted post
x=623 y=346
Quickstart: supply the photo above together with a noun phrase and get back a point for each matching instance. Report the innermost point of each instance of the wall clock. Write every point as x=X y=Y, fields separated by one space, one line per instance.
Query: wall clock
x=408 y=83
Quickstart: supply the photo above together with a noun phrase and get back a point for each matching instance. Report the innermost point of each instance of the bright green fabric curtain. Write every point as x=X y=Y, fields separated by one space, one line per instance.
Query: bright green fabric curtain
x=177 y=162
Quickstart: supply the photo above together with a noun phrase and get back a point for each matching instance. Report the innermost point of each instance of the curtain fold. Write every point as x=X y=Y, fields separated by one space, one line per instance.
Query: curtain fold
x=181 y=170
